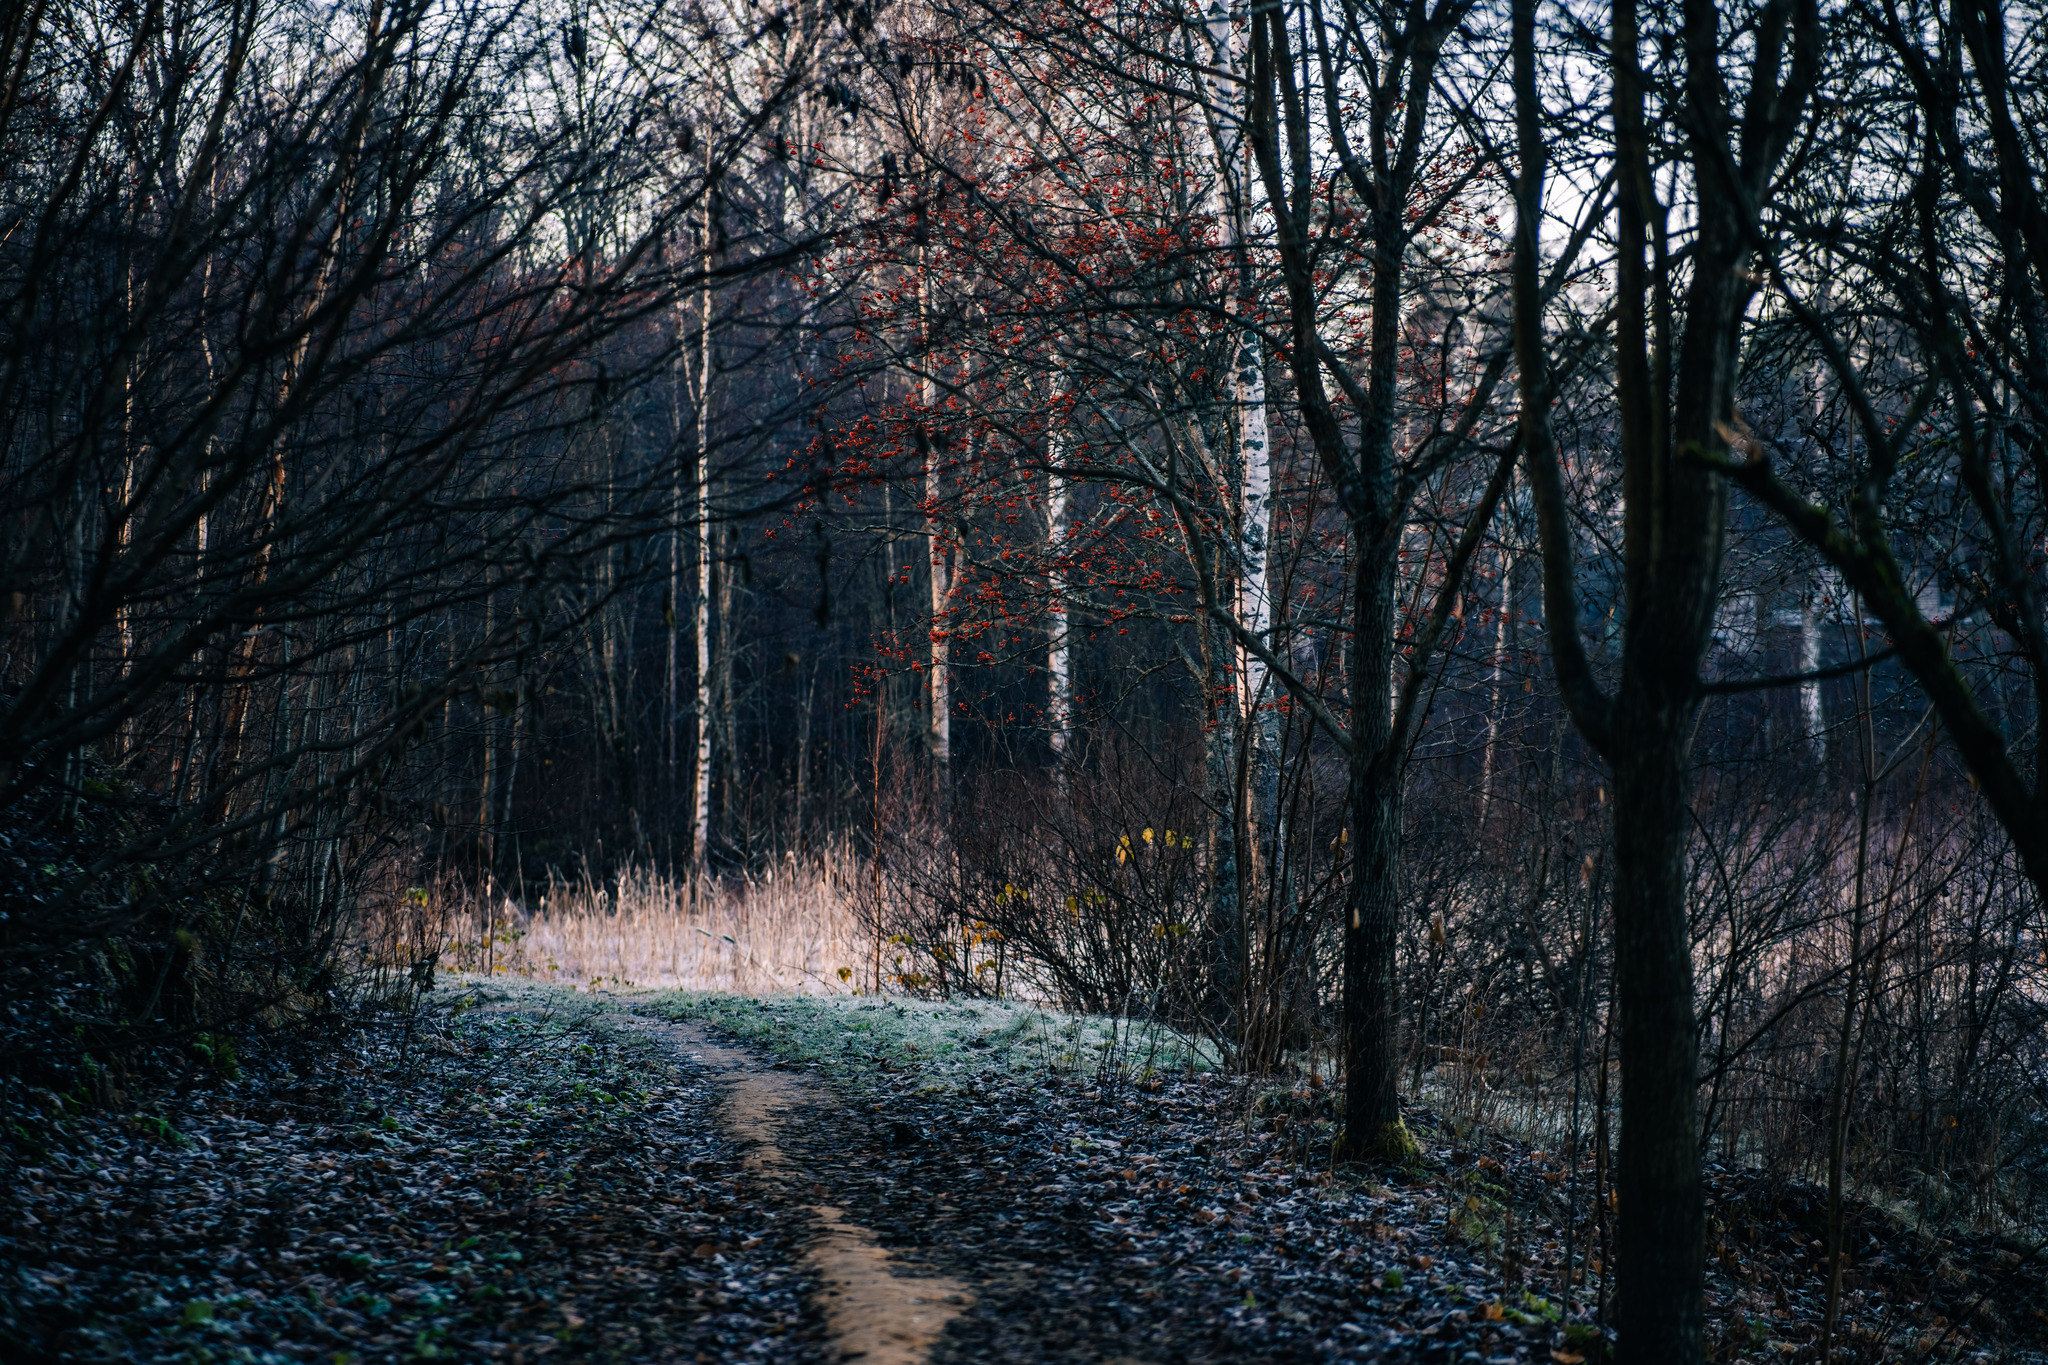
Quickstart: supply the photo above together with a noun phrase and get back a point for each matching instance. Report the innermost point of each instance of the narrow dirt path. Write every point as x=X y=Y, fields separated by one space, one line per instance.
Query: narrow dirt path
x=879 y=1308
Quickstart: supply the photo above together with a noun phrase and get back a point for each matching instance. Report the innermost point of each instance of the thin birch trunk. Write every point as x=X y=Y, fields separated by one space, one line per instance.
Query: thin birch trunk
x=940 y=579
x=1059 y=711
x=1812 y=712
x=723 y=708
x=1491 y=764
x=672 y=615
x=124 y=616
x=1249 y=466
x=1812 y=716
x=486 y=842
x=803 y=759
x=700 y=848
x=1255 y=607
x=511 y=783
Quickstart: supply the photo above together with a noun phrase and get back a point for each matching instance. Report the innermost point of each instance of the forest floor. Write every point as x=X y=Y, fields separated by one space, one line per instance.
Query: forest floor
x=525 y=1172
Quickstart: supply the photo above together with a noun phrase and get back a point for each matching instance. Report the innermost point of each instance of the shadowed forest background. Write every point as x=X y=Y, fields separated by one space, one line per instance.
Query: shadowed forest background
x=1488 y=554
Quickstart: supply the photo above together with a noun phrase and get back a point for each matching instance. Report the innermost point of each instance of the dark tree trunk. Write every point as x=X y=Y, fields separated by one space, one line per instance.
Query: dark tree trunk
x=1220 y=776
x=1372 y=1020
x=1659 y=1262
x=1674 y=428
x=1372 y=487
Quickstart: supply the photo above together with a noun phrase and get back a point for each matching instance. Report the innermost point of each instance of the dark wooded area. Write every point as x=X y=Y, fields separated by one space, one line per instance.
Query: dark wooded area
x=1489 y=555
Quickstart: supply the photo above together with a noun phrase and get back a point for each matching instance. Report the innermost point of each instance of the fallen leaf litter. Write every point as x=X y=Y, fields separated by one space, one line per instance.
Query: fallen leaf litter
x=545 y=1178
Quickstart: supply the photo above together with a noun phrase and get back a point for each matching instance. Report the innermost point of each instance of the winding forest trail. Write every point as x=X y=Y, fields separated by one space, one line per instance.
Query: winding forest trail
x=878 y=1308
x=536 y=1178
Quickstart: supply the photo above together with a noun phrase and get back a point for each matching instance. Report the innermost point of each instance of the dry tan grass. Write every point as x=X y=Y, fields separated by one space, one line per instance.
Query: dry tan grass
x=789 y=930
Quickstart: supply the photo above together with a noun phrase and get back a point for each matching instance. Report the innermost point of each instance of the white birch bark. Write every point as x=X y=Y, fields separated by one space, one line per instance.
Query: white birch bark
x=672 y=623
x=942 y=672
x=1812 y=718
x=1491 y=764
x=486 y=802
x=1250 y=463
x=1255 y=583
x=1059 y=710
x=511 y=786
x=941 y=576
x=701 y=807
x=1252 y=459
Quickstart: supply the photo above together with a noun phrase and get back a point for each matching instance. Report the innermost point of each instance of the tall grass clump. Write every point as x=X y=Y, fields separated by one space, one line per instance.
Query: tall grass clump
x=787 y=929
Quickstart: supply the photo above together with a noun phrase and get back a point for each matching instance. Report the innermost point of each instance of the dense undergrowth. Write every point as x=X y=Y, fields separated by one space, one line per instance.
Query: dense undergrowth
x=129 y=963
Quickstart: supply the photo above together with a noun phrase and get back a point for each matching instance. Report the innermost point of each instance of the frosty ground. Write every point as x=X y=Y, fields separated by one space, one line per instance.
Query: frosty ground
x=526 y=1171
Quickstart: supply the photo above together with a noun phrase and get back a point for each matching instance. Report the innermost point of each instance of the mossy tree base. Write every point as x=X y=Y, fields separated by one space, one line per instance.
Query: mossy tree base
x=1390 y=1144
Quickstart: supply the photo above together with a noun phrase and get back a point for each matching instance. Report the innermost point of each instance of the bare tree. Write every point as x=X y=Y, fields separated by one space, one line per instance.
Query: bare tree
x=1675 y=391
x=1940 y=230
x=308 y=325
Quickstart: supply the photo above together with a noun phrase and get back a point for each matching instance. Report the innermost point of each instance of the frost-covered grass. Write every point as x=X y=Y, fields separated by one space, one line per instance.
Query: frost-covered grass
x=767 y=958
x=948 y=1044
x=565 y=1007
